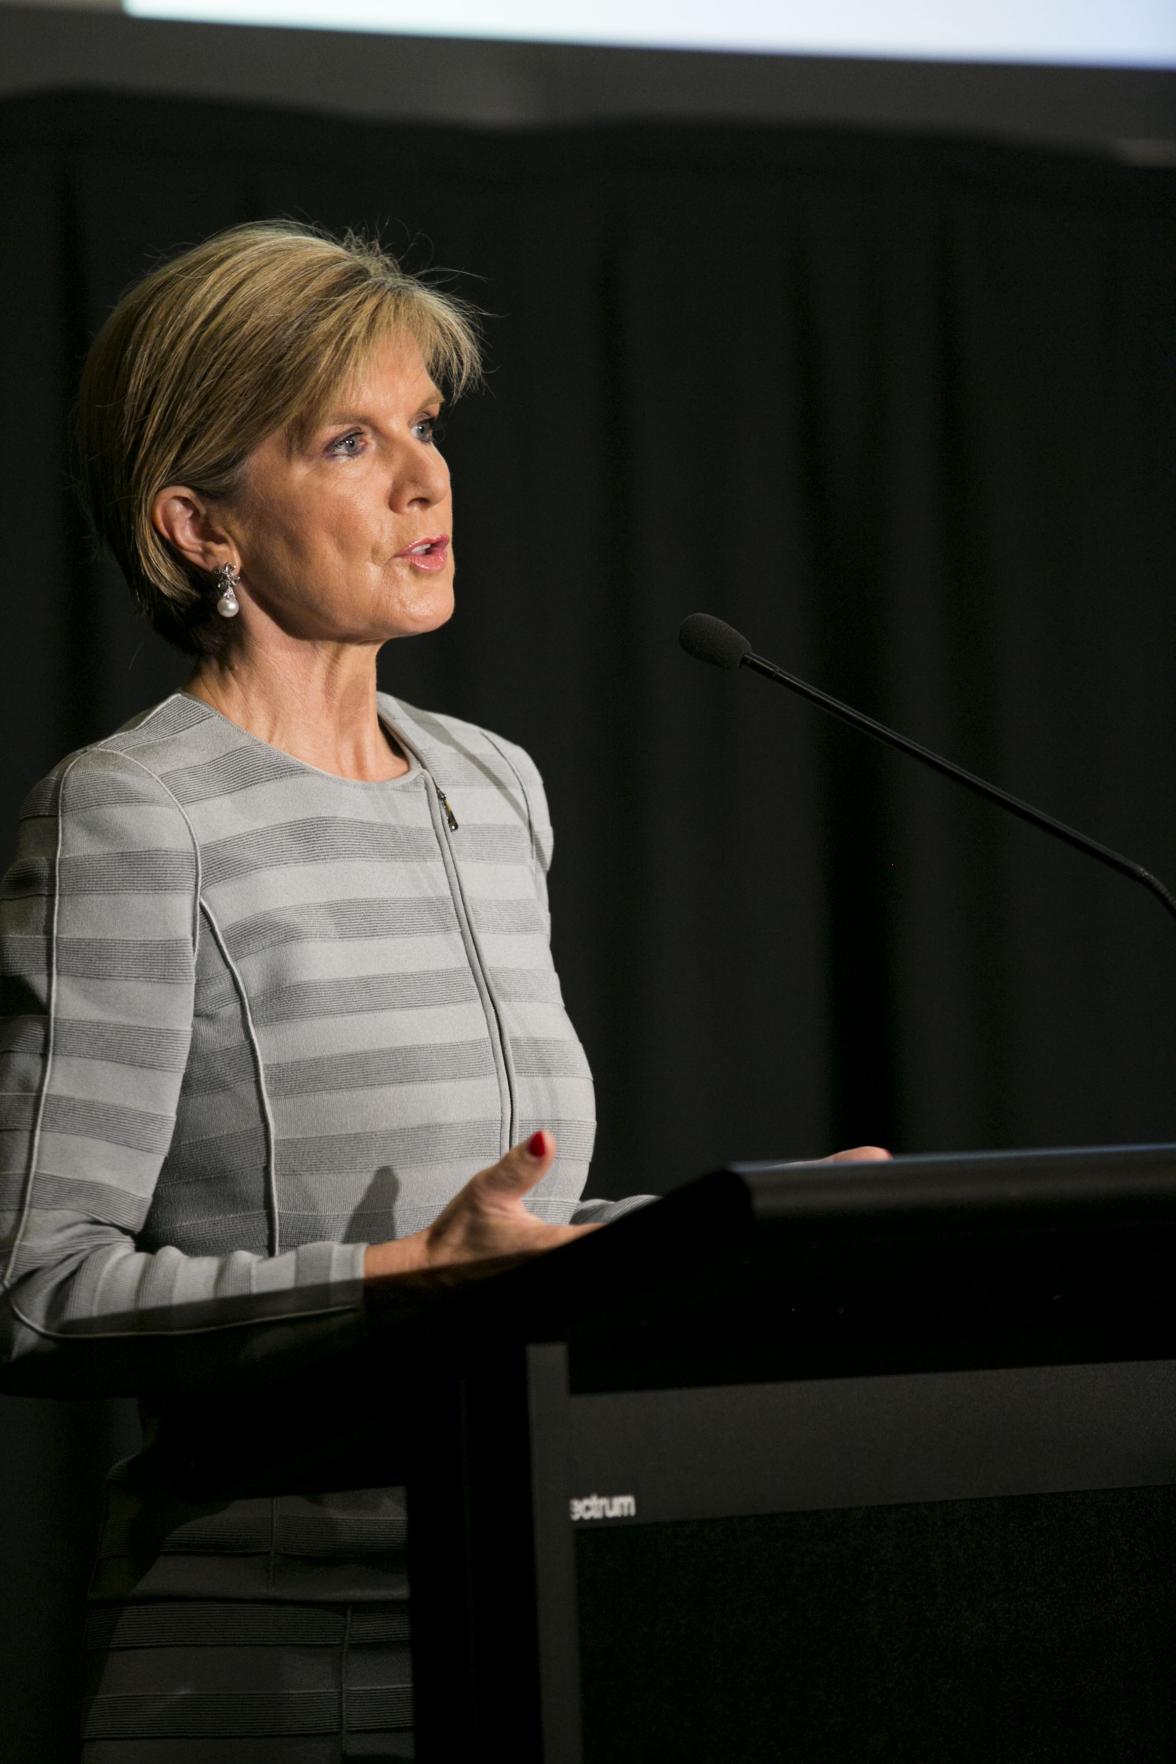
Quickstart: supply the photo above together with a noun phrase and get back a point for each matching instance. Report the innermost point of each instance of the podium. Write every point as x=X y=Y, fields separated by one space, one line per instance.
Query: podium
x=817 y=1463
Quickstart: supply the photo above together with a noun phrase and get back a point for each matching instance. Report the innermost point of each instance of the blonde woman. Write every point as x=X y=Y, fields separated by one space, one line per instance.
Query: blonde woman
x=282 y=949
x=280 y=952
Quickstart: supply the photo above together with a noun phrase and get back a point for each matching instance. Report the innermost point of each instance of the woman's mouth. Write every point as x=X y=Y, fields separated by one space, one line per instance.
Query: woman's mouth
x=427 y=554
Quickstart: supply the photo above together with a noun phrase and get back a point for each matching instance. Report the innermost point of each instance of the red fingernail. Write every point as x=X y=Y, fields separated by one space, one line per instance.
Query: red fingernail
x=537 y=1144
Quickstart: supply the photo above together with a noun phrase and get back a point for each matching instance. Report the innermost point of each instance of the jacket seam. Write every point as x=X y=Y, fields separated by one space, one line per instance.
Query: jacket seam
x=477 y=963
x=191 y=831
x=26 y=1203
x=536 y=855
x=37 y=1128
x=267 y=1117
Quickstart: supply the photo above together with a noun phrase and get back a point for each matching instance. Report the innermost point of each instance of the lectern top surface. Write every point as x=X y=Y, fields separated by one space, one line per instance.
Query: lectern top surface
x=1112 y=1182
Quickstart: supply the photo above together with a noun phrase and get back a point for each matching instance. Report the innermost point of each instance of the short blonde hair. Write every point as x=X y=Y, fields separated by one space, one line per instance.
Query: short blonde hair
x=248 y=334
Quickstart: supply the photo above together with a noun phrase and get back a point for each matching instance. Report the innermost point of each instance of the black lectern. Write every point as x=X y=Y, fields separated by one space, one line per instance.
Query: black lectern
x=807 y=1463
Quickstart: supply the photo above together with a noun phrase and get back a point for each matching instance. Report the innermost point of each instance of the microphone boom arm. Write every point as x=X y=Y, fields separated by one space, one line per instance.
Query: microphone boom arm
x=980 y=786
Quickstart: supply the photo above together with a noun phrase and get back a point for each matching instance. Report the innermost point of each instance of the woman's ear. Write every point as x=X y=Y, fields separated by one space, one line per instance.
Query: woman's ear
x=183 y=518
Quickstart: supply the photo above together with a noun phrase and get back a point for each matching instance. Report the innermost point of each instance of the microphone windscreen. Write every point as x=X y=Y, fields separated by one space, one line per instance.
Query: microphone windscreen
x=710 y=640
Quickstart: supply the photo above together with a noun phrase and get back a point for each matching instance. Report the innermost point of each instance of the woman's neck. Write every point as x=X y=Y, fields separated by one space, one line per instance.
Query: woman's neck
x=316 y=703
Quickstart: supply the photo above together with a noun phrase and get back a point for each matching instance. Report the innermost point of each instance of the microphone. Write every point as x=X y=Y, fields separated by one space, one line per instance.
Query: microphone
x=710 y=640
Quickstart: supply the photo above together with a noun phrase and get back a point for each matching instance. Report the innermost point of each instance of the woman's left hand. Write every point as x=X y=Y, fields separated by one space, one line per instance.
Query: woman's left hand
x=860 y=1154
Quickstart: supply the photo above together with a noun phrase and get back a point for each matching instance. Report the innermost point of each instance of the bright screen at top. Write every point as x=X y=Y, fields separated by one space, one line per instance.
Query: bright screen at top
x=1139 y=33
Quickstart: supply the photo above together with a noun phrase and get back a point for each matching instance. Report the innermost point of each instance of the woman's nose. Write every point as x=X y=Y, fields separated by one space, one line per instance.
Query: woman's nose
x=421 y=480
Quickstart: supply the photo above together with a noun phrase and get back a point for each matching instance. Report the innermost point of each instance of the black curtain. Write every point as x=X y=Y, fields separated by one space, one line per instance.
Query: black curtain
x=903 y=409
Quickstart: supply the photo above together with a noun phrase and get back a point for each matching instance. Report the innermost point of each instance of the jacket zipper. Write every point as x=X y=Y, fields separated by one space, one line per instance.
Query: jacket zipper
x=489 y=1004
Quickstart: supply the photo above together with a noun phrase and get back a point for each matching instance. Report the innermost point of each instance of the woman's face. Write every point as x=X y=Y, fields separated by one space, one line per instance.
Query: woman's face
x=347 y=538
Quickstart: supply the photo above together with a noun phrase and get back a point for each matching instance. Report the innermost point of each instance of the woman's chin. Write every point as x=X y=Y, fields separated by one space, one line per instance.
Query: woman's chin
x=424 y=612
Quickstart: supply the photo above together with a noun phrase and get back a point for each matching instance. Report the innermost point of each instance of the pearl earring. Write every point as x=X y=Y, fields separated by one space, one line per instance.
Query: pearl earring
x=227 y=576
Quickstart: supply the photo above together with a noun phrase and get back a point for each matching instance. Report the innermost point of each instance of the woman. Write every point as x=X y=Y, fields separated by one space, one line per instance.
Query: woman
x=281 y=951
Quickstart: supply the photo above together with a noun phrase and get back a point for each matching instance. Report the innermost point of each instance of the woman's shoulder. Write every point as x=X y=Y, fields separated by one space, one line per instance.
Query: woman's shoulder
x=463 y=757
x=134 y=761
x=108 y=820
x=439 y=738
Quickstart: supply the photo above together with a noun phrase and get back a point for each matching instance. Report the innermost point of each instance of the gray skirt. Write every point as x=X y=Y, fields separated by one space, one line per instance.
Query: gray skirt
x=240 y=1682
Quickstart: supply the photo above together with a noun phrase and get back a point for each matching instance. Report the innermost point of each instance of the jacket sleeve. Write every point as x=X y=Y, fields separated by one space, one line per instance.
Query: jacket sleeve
x=97 y=973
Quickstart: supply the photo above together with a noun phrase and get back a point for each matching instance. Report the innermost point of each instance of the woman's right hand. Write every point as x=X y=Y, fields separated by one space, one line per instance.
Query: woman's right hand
x=485 y=1221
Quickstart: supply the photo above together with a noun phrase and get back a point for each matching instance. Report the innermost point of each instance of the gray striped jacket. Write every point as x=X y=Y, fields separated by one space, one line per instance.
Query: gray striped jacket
x=258 y=1016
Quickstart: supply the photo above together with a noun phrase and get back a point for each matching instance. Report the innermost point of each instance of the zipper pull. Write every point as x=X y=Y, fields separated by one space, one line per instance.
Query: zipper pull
x=450 y=817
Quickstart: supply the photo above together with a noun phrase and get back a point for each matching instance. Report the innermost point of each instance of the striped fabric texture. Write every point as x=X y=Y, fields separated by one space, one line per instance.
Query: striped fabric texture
x=256 y=1017
x=240 y=1683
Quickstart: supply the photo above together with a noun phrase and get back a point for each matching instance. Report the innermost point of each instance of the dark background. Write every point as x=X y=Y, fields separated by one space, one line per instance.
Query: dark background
x=899 y=405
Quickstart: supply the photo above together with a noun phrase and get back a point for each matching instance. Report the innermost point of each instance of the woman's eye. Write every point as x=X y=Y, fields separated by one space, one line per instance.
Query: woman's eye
x=427 y=428
x=347 y=446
